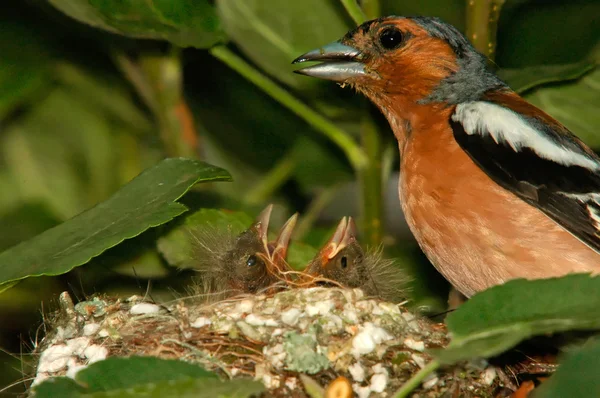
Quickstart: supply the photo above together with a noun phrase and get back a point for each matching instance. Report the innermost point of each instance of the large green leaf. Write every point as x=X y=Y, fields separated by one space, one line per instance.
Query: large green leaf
x=145 y=377
x=272 y=32
x=525 y=79
x=577 y=376
x=575 y=105
x=499 y=318
x=187 y=23
x=147 y=201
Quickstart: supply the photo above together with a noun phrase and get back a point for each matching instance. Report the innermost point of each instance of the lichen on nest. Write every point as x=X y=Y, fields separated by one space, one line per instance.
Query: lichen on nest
x=323 y=332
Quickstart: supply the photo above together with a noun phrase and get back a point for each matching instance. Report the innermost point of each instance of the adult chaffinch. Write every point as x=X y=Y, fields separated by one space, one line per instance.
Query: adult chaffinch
x=342 y=261
x=492 y=187
x=246 y=263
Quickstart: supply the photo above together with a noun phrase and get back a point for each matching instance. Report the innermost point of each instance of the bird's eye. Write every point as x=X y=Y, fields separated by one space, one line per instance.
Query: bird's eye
x=344 y=262
x=251 y=262
x=390 y=38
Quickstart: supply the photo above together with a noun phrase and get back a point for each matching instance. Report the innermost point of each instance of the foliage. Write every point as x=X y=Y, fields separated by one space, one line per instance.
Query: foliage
x=150 y=377
x=94 y=92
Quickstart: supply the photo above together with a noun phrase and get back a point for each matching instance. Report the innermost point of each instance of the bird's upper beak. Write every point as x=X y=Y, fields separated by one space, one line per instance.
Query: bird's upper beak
x=343 y=236
x=261 y=226
x=340 y=62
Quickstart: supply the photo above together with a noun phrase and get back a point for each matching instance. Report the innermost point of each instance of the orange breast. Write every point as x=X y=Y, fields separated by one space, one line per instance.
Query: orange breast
x=474 y=232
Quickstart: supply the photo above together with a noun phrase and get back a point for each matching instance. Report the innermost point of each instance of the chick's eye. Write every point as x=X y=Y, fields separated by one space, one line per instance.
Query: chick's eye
x=344 y=262
x=251 y=261
x=390 y=38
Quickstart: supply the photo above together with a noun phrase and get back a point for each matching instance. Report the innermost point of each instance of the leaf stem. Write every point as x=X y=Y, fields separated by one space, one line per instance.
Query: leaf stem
x=372 y=8
x=354 y=10
x=370 y=177
x=354 y=153
x=414 y=381
x=482 y=24
x=157 y=80
x=371 y=181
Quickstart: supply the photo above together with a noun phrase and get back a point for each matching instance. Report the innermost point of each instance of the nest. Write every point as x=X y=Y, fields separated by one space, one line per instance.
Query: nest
x=323 y=332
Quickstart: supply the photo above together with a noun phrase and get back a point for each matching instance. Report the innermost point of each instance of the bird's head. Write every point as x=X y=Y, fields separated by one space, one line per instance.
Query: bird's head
x=405 y=61
x=253 y=263
x=341 y=257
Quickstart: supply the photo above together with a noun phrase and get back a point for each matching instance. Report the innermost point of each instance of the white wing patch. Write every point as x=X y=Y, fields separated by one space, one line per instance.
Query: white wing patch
x=506 y=126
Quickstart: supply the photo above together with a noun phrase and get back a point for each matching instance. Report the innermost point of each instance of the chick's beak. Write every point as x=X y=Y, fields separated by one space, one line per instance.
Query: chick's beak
x=343 y=236
x=261 y=226
x=340 y=62
x=279 y=250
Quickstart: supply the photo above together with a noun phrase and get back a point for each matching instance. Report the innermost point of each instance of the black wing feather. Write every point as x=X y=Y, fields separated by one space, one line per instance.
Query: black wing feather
x=564 y=193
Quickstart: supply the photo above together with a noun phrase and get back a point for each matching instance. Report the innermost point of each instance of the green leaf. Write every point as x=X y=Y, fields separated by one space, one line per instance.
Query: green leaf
x=499 y=318
x=272 y=33
x=147 y=201
x=24 y=222
x=525 y=79
x=176 y=246
x=145 y=377
x=187 y=23
x=577 y=376
x=546 y=32
x=575 y=105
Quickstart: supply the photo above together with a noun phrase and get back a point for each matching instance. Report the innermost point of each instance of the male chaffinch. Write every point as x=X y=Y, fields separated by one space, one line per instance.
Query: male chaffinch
x=492 y=187
x=246 y=263
x=343 y=261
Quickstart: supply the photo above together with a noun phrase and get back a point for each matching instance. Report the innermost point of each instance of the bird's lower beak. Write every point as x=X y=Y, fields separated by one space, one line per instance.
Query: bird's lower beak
x=343 y=236
x=340 y=62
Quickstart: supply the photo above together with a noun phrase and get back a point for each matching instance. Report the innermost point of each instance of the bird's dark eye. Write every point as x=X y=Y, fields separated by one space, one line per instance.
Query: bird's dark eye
x=251 y=262
x=390 y=38
x=344 y=262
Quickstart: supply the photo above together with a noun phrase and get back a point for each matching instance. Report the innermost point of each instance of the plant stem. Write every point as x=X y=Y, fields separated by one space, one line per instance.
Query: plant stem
x=371 y=182
x=372 y=8
x=354 y=153
x=272 y=180
x=414 y=381
x=354 y=10
x=157 y=80
x=482 y=24
x=370 y=177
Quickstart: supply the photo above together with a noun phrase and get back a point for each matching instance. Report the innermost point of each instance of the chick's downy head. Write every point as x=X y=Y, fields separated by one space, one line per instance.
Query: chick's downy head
x=246 y=263
x=342 y=261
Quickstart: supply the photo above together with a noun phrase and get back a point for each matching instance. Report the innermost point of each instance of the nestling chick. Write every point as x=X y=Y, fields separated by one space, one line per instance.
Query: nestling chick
x=343 y=261
x=247 y=263
x=492 y=187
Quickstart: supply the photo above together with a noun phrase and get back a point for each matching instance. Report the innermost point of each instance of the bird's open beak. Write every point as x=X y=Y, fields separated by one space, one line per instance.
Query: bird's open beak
x=261 y=226
x=339 y=62
x=343 y=236
x=279 y=250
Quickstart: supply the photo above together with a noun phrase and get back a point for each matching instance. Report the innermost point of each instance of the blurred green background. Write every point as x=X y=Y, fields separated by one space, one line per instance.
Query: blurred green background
x=93 y=92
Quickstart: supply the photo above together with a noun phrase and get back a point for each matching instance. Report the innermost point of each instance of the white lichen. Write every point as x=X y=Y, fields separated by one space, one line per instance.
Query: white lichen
x=144 y=309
